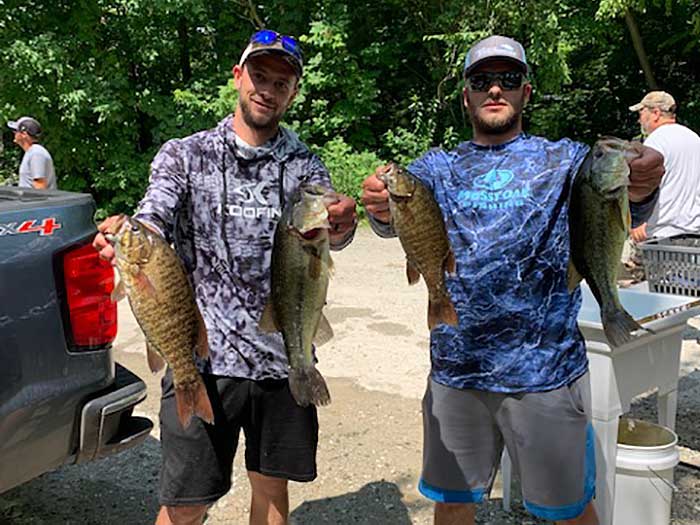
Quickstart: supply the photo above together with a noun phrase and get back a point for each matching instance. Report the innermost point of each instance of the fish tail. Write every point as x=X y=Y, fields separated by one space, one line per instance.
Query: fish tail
x=618 y=326
x=192 y=400
x=441 y=311
x=308 y=387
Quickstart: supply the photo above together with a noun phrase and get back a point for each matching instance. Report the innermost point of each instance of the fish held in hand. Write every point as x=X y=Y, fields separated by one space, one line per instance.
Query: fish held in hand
x=599 y=223
x=418 y=222
x=161 y=298
x=300 y=272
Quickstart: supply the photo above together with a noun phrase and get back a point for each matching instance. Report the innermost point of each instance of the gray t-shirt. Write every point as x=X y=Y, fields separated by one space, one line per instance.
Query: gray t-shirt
x=37 y=164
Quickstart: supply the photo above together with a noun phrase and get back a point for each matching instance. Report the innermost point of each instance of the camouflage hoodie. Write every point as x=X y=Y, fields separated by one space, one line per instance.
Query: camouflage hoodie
x=222 y=227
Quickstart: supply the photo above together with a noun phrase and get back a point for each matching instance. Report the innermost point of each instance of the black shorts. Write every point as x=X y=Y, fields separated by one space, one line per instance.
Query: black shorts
x=281 y=439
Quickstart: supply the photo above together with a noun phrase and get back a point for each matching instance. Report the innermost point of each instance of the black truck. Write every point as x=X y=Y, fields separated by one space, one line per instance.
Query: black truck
x=63 y=399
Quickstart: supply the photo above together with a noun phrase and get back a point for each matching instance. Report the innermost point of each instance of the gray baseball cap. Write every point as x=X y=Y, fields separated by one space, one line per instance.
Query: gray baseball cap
x=28 y=124
x=495 y=47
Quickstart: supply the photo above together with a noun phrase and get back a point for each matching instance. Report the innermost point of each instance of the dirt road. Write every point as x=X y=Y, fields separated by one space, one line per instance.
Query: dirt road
x=370 y=444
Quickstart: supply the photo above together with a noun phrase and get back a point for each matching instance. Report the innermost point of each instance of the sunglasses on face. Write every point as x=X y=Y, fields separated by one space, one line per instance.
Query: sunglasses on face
x=508 y=80
x=266 y=37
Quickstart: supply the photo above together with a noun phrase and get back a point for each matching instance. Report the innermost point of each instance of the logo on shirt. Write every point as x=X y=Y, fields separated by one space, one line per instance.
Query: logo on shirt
x=491 y=192
x=252 y=202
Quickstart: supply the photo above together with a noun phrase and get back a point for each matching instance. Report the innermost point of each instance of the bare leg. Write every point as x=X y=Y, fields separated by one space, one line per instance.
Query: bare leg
x=269 y=501
x=454 y=513
x=589 y=517
x=185 y=515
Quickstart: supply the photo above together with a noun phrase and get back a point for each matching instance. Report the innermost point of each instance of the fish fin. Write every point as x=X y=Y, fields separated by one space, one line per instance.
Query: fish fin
x=193 y=400
x=315 y=266
x=144 y=284
x=155 y=360
x=573 y=276
x=324 y=332
x=268 y=319
x=201 y=347
x=625 y=216
x=442 y=311
x=450 y=265
x=412 y=273
x=119 y=292
x=330 y=267
x=618 y=326
x=308 y=387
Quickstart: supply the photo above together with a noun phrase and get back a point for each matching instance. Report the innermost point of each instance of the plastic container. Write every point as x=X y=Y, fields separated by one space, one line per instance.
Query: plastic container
x=672 y=264
x=646 y=457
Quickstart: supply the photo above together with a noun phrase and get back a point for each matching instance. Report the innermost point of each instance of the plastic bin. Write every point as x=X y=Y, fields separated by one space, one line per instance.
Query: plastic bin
x=672 y=264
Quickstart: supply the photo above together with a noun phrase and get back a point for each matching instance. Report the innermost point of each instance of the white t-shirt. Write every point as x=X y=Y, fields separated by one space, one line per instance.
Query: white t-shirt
x=37 y=164
x=678 y=208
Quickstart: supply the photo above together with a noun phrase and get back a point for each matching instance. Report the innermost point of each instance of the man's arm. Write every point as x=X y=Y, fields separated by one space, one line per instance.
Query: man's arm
x=167 y=185
x=38 y=169
x=646 y=172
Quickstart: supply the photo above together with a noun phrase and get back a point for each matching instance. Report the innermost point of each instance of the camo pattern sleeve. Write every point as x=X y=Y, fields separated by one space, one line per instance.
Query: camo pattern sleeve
x=506 y=212
x=166 y=189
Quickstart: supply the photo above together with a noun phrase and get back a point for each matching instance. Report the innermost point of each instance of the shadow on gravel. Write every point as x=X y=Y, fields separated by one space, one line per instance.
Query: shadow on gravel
x=375 y=503
x=119 y=490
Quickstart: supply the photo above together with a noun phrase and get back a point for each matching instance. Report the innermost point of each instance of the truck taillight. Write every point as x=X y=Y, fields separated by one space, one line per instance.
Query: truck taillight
x=89 y=284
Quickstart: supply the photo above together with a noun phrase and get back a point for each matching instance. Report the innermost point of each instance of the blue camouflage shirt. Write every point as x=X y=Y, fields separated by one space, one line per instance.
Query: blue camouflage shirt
x=506 y=212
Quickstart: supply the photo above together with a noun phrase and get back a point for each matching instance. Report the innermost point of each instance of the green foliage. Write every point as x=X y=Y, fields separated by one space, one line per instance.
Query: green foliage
x=348 y=168
x=112 y=80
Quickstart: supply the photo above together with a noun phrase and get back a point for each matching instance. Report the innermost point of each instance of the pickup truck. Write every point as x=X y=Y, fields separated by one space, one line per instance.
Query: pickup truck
x=63 y=399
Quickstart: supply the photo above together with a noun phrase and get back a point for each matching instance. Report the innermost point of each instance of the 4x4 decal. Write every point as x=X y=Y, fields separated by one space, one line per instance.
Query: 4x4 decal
x=46 y=227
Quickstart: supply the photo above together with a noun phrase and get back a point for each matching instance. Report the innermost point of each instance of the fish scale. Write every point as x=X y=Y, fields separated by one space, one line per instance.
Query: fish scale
x=418 y=222
x=161 y=298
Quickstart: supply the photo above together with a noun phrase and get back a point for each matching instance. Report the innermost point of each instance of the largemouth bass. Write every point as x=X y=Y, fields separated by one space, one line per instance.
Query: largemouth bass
x=418 y=222
x=161 y=297
x=599 y=223
x=301 y=268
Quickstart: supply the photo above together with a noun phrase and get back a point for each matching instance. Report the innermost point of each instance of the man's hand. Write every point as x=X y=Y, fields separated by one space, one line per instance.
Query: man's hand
x=343 y=217
x=375 y=196
x=645 y=174
x=639 y=234
x=100 y=243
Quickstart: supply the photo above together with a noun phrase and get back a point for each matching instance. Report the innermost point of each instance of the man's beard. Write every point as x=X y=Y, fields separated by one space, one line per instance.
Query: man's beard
x=501 y=125
x=259 y=124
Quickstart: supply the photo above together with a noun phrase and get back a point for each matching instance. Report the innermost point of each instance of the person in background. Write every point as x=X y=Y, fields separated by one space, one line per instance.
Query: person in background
x=36 y=169
x=677 y=209
x=218 y=196
x=514 y=372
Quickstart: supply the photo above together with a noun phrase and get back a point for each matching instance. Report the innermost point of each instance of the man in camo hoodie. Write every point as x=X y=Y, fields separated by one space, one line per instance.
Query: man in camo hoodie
x=217 y=196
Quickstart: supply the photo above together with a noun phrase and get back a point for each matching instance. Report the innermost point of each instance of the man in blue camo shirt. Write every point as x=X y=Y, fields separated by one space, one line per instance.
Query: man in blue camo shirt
x=514 y=372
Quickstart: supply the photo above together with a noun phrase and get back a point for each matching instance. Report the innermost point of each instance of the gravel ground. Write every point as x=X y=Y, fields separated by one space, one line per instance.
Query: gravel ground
x=370 y=443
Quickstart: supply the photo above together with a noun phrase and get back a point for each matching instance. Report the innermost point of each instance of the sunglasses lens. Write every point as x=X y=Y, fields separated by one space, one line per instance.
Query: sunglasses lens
x=291 y=45
x=264 y=36
x=511 y=80
x=483 y=81
x=479 y=82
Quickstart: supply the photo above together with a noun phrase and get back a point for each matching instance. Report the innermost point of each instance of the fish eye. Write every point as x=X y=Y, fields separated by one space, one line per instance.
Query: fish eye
x=134 y=228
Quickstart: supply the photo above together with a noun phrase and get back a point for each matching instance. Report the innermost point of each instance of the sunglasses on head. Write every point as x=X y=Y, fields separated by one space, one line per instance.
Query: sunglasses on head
x=508 y=80
x=267 y=37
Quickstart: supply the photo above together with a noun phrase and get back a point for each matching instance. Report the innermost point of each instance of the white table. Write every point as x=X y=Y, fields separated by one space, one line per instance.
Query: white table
x=651 y=361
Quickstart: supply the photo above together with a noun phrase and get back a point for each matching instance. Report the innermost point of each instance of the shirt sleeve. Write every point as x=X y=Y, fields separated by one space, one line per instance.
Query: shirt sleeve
x=166 y=190
x=39 y=166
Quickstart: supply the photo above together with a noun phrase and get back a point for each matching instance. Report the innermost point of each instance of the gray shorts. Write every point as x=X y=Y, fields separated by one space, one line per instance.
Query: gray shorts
x=548 y=435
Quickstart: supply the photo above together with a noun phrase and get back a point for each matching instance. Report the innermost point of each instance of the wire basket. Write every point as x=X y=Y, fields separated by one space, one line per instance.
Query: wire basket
x=672 y=264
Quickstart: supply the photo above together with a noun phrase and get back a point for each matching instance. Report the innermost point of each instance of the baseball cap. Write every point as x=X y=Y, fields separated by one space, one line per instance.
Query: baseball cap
x=28 y=124
x=656 y=99
x=268 y=41
x=495 y=46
